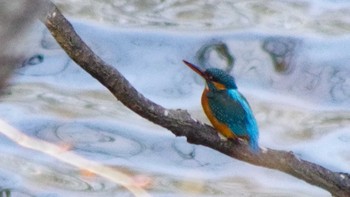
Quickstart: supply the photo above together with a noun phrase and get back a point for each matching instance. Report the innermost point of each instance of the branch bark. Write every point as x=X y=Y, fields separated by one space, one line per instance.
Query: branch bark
x=180 y=122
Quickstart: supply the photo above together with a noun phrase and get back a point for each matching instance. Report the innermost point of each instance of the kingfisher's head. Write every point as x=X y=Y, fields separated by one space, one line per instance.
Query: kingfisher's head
x=215 y=78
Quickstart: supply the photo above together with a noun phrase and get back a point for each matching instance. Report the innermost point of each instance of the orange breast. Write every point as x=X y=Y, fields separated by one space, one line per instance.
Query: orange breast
x=222 y=128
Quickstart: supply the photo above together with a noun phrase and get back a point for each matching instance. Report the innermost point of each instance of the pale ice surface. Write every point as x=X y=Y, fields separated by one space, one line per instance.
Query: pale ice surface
x=303 y=108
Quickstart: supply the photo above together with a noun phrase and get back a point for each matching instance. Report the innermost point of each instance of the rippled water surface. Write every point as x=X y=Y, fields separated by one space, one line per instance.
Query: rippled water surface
x=290 y=59
x=328 y=17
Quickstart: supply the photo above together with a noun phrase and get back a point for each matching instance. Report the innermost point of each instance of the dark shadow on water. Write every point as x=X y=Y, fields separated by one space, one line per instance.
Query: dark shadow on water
x=5 y=193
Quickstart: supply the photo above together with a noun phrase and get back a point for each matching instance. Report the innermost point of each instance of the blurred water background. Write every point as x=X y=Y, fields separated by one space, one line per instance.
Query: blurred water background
x=290 y=59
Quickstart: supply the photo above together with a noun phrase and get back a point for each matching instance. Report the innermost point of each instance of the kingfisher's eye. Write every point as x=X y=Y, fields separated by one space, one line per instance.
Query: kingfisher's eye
x=211 y=78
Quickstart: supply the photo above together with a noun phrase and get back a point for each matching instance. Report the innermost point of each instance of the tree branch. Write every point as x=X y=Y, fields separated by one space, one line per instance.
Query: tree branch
x=180 y=122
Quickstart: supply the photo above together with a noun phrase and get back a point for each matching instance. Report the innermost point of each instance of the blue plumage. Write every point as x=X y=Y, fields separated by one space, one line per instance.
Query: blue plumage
x=232 y=109
x=226 y=107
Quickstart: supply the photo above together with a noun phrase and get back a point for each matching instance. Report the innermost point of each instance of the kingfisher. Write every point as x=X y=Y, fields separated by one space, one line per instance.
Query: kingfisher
x=226 y=108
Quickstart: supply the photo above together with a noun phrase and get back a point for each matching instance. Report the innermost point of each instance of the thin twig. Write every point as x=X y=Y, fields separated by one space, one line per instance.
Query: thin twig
x=109 y=173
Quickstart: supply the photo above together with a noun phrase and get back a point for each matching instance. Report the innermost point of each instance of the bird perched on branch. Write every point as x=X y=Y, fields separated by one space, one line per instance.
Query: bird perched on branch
x=226 y=108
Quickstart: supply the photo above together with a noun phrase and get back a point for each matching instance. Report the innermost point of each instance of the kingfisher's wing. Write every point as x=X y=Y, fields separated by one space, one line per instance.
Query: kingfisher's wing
x=232 y=109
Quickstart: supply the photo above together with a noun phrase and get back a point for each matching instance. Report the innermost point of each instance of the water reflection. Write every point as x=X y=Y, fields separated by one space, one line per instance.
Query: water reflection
x=13 y=192
x=48 y=174
x=281 y=51
x=297 y=87
x=216 y=54
x=326 y=17
x=97 y=140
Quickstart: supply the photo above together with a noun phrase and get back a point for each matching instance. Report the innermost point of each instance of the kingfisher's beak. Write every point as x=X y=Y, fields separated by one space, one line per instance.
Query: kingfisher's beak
x=195 y=69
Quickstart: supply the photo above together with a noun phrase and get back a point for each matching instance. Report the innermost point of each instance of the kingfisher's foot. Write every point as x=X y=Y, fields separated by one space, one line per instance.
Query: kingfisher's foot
x=234 y=140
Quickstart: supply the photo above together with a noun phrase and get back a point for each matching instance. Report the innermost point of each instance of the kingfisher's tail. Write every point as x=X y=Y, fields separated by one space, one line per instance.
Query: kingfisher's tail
x=253 y=143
